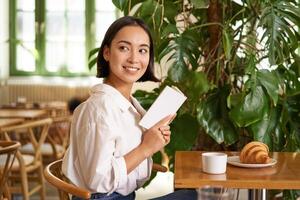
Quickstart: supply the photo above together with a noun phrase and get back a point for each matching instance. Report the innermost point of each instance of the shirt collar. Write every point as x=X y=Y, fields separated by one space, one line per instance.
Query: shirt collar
x=121 y=101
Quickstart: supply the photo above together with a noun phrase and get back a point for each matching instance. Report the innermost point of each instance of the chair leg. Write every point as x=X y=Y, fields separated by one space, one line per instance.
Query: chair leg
x=42 y=182
x=6 y=192
x=25 y=187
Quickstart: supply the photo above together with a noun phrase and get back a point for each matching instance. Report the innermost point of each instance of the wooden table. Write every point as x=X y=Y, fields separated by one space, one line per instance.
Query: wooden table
x=22 y=113
x=55 y=108
x=10 y=121
x=283 y=175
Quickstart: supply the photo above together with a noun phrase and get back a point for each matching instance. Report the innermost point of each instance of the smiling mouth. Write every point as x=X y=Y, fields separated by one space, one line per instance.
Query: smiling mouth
x=130 y=68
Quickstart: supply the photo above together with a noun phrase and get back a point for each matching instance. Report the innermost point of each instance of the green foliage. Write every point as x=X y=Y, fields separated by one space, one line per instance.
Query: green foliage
x=238 y=64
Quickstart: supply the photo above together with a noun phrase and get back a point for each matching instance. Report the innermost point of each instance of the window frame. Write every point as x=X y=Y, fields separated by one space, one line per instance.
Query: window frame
x=40 y=40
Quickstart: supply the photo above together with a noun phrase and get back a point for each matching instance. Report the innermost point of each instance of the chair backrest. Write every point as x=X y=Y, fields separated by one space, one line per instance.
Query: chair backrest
x=59 y=132
x=53 y=174
x=8 y=151
x=33 y=131
x=28 y=168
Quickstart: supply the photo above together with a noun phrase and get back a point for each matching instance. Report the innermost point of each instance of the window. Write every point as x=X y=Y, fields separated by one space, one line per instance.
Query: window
x=3 y=37
x=53 y=37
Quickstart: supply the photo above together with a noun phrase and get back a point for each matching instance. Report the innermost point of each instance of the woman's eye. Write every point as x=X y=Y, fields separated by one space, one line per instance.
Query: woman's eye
x=123 y=48
x=143 y=51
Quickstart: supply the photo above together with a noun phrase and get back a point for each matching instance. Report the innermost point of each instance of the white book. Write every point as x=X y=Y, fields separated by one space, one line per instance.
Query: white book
x=167 y=103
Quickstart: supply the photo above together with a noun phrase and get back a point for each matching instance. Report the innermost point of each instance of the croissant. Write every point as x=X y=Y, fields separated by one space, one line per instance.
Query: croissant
x=255 y=153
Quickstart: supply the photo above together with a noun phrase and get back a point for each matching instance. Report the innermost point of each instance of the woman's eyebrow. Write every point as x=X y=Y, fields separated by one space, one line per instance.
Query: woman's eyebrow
x=129 y=43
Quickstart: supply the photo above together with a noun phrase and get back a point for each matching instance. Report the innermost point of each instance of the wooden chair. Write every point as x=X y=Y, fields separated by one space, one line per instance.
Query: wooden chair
x=53 y=174
x=7 y=155
x=159 y=168
x=27 y=168
x=56 y=142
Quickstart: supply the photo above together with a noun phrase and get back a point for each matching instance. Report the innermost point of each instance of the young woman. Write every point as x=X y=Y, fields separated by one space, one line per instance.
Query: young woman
x=109 y=153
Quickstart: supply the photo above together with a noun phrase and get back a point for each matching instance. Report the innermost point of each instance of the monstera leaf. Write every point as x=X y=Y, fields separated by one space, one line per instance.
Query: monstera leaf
x=251 y=109
x=212 y=115
x=278 y=20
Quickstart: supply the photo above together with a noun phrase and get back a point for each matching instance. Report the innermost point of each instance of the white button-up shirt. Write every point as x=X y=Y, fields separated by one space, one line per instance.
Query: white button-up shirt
x=103 y=130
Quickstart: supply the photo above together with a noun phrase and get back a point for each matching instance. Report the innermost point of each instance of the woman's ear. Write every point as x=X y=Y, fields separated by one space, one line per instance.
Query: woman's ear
x=106 y=53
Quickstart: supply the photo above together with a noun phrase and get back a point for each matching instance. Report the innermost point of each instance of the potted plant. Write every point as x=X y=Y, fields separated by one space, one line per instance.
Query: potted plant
x=238 y=62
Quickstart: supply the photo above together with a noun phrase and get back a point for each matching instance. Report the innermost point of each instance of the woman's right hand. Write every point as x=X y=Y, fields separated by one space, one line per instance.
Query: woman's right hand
x=158 y=136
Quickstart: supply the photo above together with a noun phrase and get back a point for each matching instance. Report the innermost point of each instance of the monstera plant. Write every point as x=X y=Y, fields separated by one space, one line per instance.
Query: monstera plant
x=238 y=62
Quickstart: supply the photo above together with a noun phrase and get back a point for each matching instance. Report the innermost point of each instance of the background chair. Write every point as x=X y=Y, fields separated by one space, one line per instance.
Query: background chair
x=8 y=151
x=28 y=168
x=56 y=142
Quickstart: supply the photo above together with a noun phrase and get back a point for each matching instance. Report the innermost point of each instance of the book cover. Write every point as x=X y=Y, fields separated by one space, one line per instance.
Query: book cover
x=167 y=103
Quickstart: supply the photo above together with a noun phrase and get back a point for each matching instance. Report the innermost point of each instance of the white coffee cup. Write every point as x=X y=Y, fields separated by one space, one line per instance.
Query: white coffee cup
x=214 y=162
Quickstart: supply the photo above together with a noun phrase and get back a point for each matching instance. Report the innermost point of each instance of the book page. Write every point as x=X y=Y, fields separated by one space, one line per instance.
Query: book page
x=167 y=103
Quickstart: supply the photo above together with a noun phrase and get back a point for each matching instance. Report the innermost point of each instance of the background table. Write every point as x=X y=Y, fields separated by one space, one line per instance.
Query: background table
x=284 y=175
x=22 y=113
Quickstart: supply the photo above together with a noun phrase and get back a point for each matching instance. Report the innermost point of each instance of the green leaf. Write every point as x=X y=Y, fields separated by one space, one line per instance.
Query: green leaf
x=92 y=63
x=146 y=98
x=269 y=81
x=120 y=4
x=251 y=65
x=169 y=29
x=184 y=133
x=196 y=85
x=200 y=3
x=178 y=71
x=278 y=20
x=93 y=52
x=234 y=99
x=171 y=10
x=212 y=115
x=227 y=44
x=262 y=130
x=126 y=5
x=251 y=109
x=147 y=8
x=182 y=52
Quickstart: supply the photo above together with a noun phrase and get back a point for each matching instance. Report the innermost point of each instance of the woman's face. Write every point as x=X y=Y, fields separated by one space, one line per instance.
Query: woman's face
x=128 y=55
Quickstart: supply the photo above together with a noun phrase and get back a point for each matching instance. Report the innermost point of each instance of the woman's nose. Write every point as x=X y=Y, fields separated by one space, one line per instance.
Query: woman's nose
x=133 y=57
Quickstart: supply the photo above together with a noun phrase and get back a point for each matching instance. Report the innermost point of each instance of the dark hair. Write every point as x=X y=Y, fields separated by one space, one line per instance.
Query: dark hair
x=73 y=103
x=115 y=27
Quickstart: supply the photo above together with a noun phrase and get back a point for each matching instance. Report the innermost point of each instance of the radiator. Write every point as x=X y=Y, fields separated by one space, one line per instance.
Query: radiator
x=42 y=93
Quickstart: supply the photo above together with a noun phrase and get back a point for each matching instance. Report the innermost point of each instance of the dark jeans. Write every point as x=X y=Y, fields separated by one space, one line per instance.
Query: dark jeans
x=177 y=195
x=104 y=196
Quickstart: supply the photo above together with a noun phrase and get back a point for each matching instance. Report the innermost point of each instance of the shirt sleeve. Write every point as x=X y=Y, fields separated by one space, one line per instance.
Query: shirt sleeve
x=142 y=173
x=102 y=171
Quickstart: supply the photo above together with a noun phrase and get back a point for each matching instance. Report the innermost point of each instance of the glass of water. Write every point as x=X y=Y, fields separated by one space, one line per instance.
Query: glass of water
x=215 y=193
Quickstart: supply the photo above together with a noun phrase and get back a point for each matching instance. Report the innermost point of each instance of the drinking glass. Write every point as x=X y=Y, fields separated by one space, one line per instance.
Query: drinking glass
x=215 y=193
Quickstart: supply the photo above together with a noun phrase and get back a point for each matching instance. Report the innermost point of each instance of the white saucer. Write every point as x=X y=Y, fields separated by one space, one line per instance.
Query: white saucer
x=235 y=160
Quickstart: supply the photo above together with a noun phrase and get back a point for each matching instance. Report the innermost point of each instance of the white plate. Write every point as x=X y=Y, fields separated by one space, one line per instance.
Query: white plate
x=235 y=160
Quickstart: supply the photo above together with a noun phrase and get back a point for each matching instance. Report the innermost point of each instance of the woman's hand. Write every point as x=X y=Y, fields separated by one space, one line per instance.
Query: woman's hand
x=158 y=136
x=154 y=139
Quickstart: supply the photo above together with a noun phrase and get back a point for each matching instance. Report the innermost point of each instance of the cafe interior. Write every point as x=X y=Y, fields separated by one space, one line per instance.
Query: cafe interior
x=236 y=136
